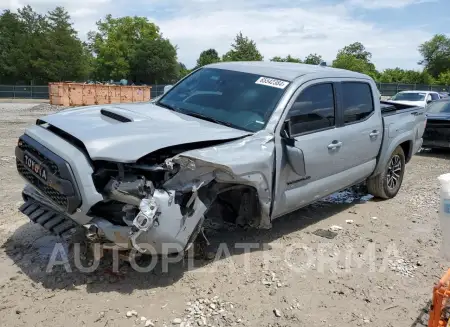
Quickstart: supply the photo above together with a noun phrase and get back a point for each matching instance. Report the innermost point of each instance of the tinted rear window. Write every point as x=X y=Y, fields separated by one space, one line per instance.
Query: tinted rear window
x=357 y=101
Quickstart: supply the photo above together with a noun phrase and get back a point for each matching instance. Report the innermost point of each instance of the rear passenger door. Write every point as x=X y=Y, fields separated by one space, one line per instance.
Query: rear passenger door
x=361 y=130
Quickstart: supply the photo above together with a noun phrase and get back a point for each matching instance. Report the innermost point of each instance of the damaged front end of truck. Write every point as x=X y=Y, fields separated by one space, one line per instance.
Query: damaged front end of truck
x=159 y=203
x=164 y=200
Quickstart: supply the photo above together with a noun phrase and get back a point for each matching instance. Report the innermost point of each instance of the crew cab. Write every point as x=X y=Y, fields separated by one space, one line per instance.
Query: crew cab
x=242 y=142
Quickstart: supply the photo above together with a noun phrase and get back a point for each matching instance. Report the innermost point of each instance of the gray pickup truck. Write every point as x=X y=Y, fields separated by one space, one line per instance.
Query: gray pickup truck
x=245 y=142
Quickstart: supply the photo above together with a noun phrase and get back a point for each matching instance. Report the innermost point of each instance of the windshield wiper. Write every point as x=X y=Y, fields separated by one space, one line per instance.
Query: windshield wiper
x=213 y=120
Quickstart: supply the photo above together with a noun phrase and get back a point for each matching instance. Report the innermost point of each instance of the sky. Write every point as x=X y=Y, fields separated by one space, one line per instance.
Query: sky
x=391 y=29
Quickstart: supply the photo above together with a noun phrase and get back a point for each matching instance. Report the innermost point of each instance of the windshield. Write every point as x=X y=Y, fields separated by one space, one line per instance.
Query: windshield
x=439 y=107
x=240 y=100
x=410 y=96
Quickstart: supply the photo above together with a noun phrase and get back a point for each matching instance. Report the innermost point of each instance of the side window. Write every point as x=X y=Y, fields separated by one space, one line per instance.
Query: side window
x=313 y=109
x=357 y=101
x=434 y=96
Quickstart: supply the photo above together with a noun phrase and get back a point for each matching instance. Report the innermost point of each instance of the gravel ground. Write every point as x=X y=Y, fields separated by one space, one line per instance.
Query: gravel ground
x=378 y=269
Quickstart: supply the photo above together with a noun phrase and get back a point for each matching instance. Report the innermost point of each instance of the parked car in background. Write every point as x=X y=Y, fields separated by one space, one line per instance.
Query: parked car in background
x=437 y=131
x=415 y=98
x=444 y=94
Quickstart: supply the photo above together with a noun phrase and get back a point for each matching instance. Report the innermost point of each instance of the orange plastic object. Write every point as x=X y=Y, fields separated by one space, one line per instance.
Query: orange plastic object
x=441 y=294
x=78 y=94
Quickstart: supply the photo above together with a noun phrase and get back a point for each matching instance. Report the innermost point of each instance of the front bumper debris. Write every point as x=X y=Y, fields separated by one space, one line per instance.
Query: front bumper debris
x=48 y=218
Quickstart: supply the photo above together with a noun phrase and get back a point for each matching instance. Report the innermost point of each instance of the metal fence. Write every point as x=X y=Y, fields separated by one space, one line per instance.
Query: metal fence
x=156 y=90
x=24 y=91
x=41 y=91
x=389 y=89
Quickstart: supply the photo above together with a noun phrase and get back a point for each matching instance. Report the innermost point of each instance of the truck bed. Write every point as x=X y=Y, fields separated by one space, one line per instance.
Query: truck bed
x=392 y=108
x=400 y=123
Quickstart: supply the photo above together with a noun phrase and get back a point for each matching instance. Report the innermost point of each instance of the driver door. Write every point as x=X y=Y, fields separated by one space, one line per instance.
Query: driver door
x=311 y=157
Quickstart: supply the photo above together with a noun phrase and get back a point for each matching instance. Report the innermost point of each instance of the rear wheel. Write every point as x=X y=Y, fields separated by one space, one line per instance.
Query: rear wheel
x=387 y=184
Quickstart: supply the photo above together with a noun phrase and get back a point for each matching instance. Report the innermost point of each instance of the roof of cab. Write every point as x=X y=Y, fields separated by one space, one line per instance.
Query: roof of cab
x=284 y=70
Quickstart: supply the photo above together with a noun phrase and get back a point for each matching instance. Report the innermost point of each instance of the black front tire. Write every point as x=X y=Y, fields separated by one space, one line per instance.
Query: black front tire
x=387 y=184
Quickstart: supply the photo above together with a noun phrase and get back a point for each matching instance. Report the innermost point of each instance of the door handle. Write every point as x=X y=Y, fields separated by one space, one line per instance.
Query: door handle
x=374 y=133
x=334 y=145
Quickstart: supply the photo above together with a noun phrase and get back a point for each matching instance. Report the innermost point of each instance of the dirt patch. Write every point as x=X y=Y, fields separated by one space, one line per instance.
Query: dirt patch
x=380 y=265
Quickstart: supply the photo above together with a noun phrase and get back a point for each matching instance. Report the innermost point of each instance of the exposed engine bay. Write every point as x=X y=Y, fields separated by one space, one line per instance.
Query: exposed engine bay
x=162 y=192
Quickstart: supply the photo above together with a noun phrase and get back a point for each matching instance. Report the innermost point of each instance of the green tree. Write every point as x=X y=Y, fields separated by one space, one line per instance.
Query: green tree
x=436 y=55
x=62 y=57
x=444 y=78
x=182 y=70
x=30 y=44
x=417 y=77
x=395 y=75
x=313 y=59
x=398 y=75
x=154 y=61
x=356 y=58
x=11 y=41
x=115 y=42
x=243 y=49
x=207 y=57
x=349 y=62
x=356 y=50
x=286 y=59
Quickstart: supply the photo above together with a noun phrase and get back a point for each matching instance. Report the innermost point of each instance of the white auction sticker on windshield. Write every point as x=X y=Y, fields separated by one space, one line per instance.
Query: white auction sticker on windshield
x=272 y=82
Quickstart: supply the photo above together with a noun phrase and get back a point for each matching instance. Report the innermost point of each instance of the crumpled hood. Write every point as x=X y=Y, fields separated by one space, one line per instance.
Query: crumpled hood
x=151 y=128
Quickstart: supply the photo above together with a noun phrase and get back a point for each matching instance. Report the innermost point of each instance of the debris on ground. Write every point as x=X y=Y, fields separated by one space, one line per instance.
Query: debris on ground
x=402 y=267
x=335 y=228
x=325 y=233
x=43 y=107
x=131 y=313
x=207 y=311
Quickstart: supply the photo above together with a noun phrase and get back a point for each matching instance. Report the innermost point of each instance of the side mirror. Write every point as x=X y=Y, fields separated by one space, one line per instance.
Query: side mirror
x=294 y=155
x=428 y=101
x=167 y=88
x=286 y=132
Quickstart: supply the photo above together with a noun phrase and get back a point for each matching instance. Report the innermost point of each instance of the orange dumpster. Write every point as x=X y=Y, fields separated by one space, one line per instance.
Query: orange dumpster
x=79 y=94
